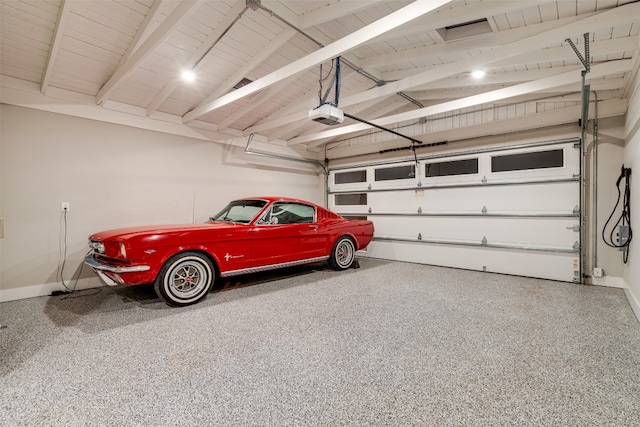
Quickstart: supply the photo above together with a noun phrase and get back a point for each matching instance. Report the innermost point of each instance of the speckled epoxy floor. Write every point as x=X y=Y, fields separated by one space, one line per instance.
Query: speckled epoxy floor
x=389 y=344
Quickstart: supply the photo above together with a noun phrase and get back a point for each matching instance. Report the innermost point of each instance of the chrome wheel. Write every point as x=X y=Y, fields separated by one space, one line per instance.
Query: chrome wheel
x=343 y=254
x=185 y=279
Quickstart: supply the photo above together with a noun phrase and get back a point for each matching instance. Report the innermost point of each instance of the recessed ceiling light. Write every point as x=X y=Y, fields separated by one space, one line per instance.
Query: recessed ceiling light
x=478 y=74
x=188 y=76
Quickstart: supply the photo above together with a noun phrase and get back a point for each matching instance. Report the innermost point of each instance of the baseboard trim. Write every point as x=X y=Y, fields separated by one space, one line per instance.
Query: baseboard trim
x=45 y=289
x=633 y=302
x=609 y=281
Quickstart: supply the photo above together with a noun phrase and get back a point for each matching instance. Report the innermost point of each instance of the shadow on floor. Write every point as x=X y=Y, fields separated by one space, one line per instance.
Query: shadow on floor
x=140 y=303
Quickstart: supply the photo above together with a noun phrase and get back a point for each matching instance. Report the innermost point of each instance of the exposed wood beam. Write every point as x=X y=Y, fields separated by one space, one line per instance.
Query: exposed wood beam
x=599 y=70
x=21 y=93
x=608 y=108
x=333 y=11
x=633 y=75
x=317 y=36
x=282 y=11
x=425 y=53
x=436 y=81
x=337 y=10
x=180 y=14
x=294 y=128
x=143 y=31
x=387 y=23
x=453 y=93
x=257 y=101
x=602 y=47
x=274 y=45
x=295 y=112
x=299 y=112
x=594 y=22
x=194 y=59
x=323 y=40
x=496 y=78
x=255 y=61
x=391 y=108
x=459 y=13
x=464 y=45
x=542 y=55
x=63 y=14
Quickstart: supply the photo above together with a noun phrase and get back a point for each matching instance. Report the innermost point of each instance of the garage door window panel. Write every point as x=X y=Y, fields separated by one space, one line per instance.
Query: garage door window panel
x=350 y=177
x=528 y=161
x=395 y=173
x=352 y=199
x=452 y=168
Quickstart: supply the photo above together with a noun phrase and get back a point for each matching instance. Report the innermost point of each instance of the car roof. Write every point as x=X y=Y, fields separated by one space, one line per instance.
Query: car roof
x=278 y=199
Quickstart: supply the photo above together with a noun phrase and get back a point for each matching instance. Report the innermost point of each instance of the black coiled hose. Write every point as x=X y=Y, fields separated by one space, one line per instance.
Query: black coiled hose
x=625 y=216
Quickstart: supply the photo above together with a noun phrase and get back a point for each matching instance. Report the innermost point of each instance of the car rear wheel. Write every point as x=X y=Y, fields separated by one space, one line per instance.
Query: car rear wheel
x=185 y=279
x=343 y=254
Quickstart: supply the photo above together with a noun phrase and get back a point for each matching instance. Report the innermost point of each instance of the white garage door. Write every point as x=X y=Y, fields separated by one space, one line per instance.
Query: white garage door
x=511 y=210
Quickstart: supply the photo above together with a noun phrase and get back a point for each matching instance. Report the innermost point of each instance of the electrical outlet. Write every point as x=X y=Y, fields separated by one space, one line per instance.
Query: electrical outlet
x=597 y=272
x=66 y=206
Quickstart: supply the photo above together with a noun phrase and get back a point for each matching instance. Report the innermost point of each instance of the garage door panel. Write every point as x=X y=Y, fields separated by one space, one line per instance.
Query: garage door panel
x=559 y=198
x=510 y=210
x=542 y=232
x=554 y=266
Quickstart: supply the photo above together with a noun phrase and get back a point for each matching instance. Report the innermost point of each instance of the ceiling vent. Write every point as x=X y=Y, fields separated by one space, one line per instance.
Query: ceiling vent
x=242 y=82
x=465 y=29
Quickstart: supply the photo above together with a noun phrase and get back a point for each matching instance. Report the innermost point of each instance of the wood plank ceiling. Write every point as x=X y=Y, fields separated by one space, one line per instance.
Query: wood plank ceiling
x=405 y=64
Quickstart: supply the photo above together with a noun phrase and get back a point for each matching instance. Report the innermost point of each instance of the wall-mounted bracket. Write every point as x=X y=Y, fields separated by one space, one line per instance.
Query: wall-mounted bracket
x=586 y=59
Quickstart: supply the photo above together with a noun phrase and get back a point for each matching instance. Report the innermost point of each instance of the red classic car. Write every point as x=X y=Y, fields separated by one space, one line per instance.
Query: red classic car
x=248 y=235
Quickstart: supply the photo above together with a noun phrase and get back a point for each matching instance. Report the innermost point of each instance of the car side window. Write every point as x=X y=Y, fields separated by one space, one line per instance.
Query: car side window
x=289 y=213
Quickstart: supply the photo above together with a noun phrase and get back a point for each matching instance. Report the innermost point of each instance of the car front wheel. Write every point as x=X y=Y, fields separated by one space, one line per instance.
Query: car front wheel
x=185 y=279
x=343 y=254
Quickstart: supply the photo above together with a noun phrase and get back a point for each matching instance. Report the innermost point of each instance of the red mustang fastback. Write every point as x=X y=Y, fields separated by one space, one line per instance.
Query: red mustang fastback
x=248 y=235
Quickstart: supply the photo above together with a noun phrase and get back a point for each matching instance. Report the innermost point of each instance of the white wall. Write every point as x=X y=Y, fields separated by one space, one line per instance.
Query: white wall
x=632 y=160
x=610 y=159
x=113 y=176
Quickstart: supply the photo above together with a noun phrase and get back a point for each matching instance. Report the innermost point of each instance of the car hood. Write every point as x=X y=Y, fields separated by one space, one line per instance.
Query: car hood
x=127 y=233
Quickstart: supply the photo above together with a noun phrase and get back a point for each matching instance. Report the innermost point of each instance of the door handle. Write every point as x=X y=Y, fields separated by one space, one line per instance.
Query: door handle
x=315 y=227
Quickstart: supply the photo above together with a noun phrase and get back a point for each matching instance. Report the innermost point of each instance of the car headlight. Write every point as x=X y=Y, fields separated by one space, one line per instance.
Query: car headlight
x=98 y=247
x=123 y=251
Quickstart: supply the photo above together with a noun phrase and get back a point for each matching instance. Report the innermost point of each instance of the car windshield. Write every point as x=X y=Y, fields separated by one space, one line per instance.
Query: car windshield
x=242 y=211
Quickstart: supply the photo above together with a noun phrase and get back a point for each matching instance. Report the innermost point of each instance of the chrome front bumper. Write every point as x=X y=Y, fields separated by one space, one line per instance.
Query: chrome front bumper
x=100 y=268
x=97 y=265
